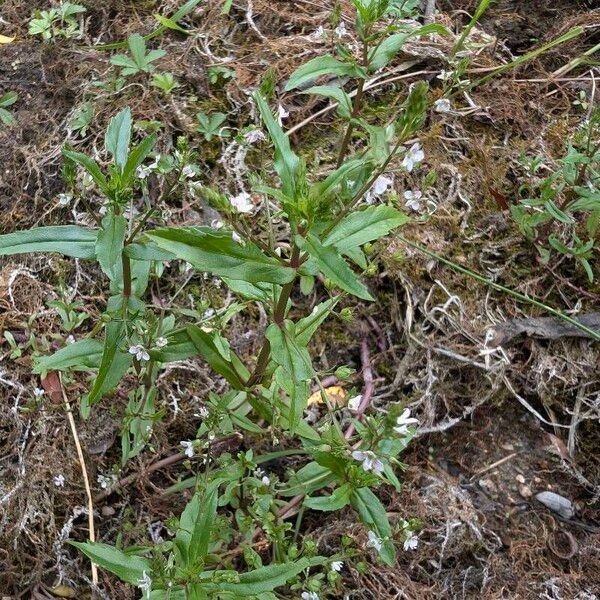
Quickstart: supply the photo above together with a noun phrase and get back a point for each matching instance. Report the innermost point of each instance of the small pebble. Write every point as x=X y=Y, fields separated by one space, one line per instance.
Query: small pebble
x=520 y=478
x=525 y=491
x=108 y=511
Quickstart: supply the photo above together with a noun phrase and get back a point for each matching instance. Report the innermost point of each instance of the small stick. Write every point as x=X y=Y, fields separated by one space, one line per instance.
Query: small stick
x=86 y=481
x=369 y=389
x=494 y=465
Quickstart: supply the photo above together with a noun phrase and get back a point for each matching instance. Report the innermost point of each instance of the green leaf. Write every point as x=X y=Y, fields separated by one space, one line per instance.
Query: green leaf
x=262 y=580
x=90 y=166
x=287 y=353
x=321 y=65
x=381 y=55
x=286 y=162
x=128 y=567
x=232 y=370
x=348 y=170
x=114 y=333
x=334 y=267
x=364 y=226
x=310 y=478
x=144 y=251
x=70 y=240
x=137 y=47
x=195 y=524
x=118 y=136
x=169 y=23
x=81 y=355
x=372 y=513
x=335 y=93
x=109 y=245
x=137 y=157
x=336 y=501
x=216 y=252
x=307 y=326
x=8 y=99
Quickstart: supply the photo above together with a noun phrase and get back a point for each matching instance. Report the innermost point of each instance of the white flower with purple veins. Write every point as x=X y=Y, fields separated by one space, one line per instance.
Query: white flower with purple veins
x=64 y=199
x=242 y=202
x=59 y=480
x=106 y=480
x=404 y=421
x=380 y=186
x=188 y=171
x=139 y=352
x=341 y=30
x=442 y=105
x=70 y=339
x=38 y=392
x=282 y=114
x=145 y=584
x=256 y=135
x=374 y=541
x=189 y=448
x=336 y=565
x=161 y=342
x=354 y=403
x=411 y=542
x=445 y=75
x=309 y=596
x=413 y=156
x=412 y=198
x=369 y=460
x=317 y=34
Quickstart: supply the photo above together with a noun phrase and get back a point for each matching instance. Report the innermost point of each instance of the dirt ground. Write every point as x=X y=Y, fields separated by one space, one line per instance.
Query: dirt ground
x=497 y=426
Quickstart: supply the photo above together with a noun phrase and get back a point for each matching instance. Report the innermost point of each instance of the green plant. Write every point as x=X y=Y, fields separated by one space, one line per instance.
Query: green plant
x=140 y=60
x=561 y=212
x=312 y=228
x=165 y=82
x=218 y=75
x=211 y=125
x=81 y=119
x=7 y=100
x=57 y=22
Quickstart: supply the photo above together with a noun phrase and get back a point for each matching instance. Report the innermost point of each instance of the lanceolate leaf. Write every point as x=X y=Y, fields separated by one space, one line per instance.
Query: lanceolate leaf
x=128 y=567
x=90 y=166
x=364 y=226
x=137 y=156
x=287 y=353
x=262 y=580
x=118 y=135
x=70 y=240
x=335 y=93
x=306 y=327
x=216 y=252
x=81 y=355
x=347 y=171
x=286 y=162
x=381 y=55
x=372 y=513
x=321 y=65
x=113 y=336
x=109 y=245
x=334 y=267
x=339 y=498
x=232 y=370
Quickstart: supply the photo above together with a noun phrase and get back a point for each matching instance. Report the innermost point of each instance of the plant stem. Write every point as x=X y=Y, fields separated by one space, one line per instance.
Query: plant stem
x=126 y=274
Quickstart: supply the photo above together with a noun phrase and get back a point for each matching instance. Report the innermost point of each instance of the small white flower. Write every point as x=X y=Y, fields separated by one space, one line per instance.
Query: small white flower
x=341 y=30
x=142 y=172
x=336 y=565
x=38 y=392
x=139 y=352
x=242 y=202
x=59 y=480
x=256 y=135
x=354 y=403
x=411 y=542
x=414 y=155
x=236 y=238
x=202 y=412
x=374 y=541
x=145 y=584
x=103 y=209
x=216 y=224
x=309 y=596
x=404 y=421
x=105 y=480
x=369 y=460
x=412 y=198
x=317 y=34
x=161 y=342
x=380 y=186
x=64 y=199
x=445 y=75
x=188 y=171
x=265 y=480
x=442 y=105
x=189 y=448
x=282 y=114
x=70 y=339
